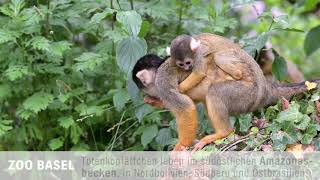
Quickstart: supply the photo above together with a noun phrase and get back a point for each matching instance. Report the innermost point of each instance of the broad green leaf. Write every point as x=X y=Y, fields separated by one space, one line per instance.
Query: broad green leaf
x=131 y=20
x=279 y=67
x=133 y=91
x=245 y=122
x=272 y=112
x=304 y=122
x=40 y=43
x=128 y=51
x=309 y=134
x=279 y=141
x=282 y=21
x=38 y=101
x=55 y=144
x=142 y=111
x=66 y=122
x=292 y=114
x=148 y=134
x=120 y=98
x=262 y=40
x=16 y=72
x=164 y=137
x=311 y=42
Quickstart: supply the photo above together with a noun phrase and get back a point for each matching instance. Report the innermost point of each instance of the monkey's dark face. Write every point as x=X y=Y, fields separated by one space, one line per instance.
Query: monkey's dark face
x=186 y=64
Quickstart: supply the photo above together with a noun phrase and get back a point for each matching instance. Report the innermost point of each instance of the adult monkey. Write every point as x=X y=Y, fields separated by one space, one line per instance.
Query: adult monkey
x=220 y=93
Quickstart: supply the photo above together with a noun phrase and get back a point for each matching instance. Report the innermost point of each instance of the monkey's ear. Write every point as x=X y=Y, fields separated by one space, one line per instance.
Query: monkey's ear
x=194 y=44
x=142 y=75
x=168 y=51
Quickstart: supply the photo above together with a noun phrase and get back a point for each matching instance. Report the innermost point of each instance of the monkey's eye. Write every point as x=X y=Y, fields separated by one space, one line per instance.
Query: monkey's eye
x=180 y=64
x=188 y=62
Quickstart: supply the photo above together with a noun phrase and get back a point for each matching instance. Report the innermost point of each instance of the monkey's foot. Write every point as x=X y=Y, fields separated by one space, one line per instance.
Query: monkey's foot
x=210 y=139
x=180 y=147
x=199 y=146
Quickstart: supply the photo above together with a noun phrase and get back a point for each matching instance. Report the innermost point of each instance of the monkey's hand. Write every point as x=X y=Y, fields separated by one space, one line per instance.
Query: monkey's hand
x=191 y=81
x=155 y=102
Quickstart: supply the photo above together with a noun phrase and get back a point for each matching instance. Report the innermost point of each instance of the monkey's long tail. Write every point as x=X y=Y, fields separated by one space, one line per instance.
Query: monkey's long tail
x=287 y=90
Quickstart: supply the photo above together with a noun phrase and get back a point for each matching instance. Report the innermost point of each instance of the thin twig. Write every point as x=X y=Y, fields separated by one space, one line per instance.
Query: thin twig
x=117 y=130
x=230 y=145
x=124 y=132
x=94 y=138
x=131 y=4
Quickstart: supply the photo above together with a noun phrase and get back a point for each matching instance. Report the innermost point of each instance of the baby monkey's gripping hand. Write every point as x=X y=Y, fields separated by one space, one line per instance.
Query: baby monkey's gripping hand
x=191 y=81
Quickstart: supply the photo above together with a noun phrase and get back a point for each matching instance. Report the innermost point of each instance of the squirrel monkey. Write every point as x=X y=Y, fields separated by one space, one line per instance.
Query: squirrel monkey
x=192 y=53
x=220 y=95
x=265 y=60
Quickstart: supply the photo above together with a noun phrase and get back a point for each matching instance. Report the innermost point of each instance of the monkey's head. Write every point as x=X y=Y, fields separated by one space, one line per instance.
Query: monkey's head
x=182 y=51
x=144 y=73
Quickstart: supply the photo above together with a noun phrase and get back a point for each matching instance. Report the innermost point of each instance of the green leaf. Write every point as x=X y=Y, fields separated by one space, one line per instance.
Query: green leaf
x=142 y=111
x=311 y=42
x=144 y=29
x=92 y=110
x=245 y=122
x=55 y=144
x=254 y=130
x=7 y=36
x=38 y=101
x=40 y=43
x=75 y=133
x=98 y=17
x=66 y=122
x=129 y=50
x=16 y=72
x=24 y=114
x=131 y=20
x=164 y=137
x=304 y=122
x=133 y=91
x=279 y=67
x=292 y=114
x=120 y=98
x=89 y=61
x=280 y=140
x=58 y=48
x=282 y=21
x=148 y=134
x=5 y=126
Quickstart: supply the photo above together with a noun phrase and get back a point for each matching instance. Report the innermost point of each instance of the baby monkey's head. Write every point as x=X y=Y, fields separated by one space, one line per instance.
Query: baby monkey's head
x=183 y=50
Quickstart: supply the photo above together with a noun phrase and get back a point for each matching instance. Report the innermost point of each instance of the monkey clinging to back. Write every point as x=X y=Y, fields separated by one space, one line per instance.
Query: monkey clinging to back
x=222 y=94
